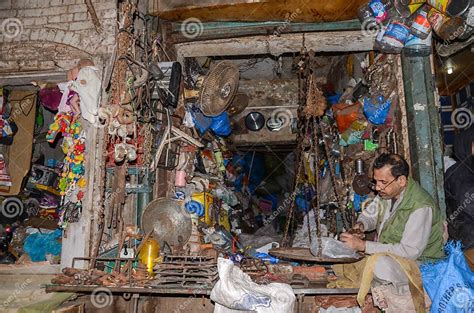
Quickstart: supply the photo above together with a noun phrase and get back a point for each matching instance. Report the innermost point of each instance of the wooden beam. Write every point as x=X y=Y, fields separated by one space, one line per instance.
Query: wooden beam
x=342 y=41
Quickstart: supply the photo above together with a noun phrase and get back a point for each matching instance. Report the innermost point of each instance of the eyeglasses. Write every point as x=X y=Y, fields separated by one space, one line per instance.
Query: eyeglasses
x=373 y=184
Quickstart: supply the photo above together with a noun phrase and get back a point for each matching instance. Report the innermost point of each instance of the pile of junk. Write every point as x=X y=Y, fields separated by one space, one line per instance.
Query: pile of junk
x=176 y=193
x=176 y=199
x=42 y=162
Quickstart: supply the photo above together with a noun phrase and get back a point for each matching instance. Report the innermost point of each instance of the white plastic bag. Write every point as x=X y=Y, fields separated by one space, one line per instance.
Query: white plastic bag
x=236 y=292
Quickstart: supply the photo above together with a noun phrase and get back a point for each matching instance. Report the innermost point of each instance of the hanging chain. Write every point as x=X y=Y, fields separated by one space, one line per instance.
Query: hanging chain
x=299 y=160
x=316 y=206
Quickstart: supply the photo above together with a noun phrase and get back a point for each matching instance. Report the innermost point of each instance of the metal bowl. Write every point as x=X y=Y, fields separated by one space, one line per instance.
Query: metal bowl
x=254 y=121
x=169 y=221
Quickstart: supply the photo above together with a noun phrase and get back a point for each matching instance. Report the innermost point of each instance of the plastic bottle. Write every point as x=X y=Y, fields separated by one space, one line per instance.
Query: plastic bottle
x=420 y=26
x=366 y=17
x=149 y=253
x=417 y=47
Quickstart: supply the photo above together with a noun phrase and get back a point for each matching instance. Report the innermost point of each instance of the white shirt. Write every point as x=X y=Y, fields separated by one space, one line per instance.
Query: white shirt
x=415 y=235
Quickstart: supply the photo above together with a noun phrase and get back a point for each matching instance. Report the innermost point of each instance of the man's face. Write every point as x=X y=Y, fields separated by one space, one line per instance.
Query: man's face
x=388 y=186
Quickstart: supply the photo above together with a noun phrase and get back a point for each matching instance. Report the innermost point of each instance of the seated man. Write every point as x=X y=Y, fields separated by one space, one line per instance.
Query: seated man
x=406 y=218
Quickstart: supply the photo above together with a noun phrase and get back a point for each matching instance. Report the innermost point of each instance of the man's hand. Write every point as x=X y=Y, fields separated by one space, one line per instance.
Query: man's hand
x=358 y=227
x=357 y=230
x=353 y=241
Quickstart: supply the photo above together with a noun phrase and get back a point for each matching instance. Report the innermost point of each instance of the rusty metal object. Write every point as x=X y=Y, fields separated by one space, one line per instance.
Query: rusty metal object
x=304 y=254
x=185 y=271
x=169 y=221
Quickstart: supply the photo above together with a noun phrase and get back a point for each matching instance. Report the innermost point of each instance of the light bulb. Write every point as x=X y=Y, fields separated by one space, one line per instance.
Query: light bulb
x=450 y=70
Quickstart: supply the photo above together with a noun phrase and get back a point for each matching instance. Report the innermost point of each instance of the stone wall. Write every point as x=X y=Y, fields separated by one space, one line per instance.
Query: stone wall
x=51 y=35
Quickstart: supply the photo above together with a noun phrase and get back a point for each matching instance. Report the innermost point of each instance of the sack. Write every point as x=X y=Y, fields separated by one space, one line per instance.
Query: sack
x=450 y=282
x=236 y=292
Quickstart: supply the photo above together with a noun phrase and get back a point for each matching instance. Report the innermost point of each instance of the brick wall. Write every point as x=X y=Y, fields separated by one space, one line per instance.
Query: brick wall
x=51 y=35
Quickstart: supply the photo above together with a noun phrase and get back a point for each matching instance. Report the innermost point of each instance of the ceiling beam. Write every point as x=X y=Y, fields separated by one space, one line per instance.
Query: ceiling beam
x=341 y=41
x=221 y=30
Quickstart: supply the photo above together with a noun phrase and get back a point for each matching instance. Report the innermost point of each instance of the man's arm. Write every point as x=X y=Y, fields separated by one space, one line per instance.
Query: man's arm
x=368 y=217
x=414 y=240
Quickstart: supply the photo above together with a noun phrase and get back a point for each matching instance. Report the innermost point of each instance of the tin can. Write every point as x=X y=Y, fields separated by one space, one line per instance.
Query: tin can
x=395 y=36
x=420 y=26
x=445 y=27
x=450 y=7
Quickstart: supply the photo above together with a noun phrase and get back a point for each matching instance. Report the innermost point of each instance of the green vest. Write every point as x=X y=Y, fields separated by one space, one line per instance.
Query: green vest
x=415 y=197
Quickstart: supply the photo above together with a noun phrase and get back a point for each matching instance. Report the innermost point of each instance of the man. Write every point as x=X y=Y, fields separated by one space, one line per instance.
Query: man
x=407 y=221
x=459 y=188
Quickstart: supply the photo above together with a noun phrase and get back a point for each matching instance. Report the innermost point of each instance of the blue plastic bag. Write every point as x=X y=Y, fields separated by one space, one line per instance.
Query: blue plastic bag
x=376 y=113
x=37 y=245
x=220 y=124
x=450 y=282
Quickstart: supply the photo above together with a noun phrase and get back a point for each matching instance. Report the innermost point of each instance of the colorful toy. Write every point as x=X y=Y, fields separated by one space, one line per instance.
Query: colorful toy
x=72 y=180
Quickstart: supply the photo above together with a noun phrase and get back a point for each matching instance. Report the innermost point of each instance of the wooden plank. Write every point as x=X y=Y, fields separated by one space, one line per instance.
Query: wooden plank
x=255 y=10
x=403 y=110
x=342 y=41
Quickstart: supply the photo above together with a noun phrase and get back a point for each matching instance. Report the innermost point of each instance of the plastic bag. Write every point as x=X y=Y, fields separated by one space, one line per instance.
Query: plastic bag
x=235 y=291
x=450 y=282
x=376 y=113
x=332 y=248
x=37 y=245
x=345 y=114
x=220 y=124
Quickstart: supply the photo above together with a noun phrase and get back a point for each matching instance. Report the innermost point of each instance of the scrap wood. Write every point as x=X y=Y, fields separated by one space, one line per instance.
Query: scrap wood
x=95 y=19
